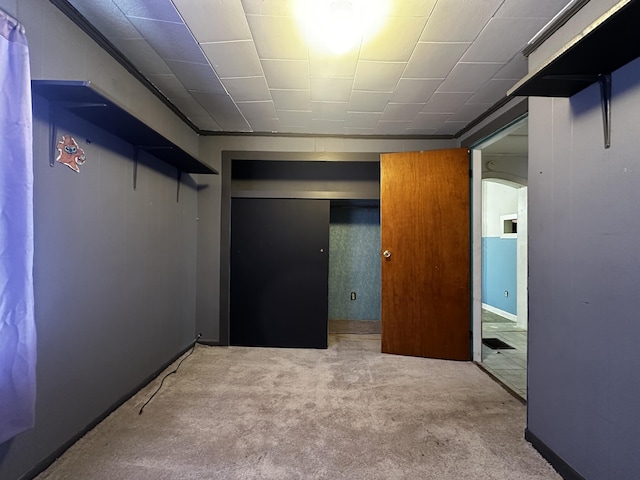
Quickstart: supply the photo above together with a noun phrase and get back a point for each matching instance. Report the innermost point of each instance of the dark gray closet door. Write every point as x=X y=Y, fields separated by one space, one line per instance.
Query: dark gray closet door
x=279 y=272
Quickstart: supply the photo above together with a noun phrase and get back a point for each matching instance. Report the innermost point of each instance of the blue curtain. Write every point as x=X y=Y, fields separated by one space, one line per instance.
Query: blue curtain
x=17 y=325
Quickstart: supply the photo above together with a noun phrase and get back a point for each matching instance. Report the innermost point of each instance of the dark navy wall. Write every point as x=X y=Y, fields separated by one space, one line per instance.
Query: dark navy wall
x=354 y=263
x=584 y=273
x=499 y=269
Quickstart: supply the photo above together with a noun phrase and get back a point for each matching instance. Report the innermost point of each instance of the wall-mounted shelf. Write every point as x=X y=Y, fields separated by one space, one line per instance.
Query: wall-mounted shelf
x=609 y=43
x=87 y=102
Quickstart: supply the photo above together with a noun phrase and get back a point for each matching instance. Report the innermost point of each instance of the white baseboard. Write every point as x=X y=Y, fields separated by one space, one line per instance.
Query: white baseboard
x=502 y=313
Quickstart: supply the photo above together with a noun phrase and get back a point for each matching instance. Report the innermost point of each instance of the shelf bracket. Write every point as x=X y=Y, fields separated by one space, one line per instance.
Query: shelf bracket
x=605 y=99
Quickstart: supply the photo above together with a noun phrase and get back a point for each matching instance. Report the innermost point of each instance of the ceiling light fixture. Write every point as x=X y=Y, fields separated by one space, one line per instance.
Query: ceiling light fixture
x=340 y=25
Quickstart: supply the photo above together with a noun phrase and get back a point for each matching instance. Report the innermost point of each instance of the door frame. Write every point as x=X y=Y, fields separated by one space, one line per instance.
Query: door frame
x=474 y=142
x=228 y=157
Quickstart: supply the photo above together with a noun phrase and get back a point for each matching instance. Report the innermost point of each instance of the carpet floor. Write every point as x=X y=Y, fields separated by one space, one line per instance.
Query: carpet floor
x=345 y=412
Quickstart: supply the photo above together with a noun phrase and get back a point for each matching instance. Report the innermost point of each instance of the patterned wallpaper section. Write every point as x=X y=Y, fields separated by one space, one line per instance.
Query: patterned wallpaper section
x=354 y=263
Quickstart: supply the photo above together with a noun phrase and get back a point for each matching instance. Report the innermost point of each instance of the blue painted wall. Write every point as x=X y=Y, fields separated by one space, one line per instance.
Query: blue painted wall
x=499 y=273
x=354 y=263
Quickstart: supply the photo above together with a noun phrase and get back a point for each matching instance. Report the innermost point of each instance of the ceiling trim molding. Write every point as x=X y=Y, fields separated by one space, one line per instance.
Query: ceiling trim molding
x=212 y=133
x=76 y=17
x=502 y=121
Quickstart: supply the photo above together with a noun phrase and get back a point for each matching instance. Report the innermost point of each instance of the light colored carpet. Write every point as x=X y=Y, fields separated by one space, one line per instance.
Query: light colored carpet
x=346 y=412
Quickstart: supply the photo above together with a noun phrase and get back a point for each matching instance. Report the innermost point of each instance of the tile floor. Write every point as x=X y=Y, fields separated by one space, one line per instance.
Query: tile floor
x=508 y=366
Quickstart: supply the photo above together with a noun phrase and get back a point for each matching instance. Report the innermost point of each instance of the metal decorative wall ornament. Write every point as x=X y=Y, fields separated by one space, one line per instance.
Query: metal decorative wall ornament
x=70 y=154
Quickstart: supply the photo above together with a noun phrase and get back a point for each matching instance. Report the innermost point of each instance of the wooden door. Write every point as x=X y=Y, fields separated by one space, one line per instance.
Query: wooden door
x=279 y=272
x=426 y=276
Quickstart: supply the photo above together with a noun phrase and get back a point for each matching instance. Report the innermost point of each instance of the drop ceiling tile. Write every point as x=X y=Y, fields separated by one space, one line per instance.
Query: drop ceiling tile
x=397 y=112
x=294 y=117
x=446 y=102
x=469 y=77
x=412 y=8
x=277 y=8
x=277 y=38
x=368 y=101
x=414 y=90
x=287 y=74
x=362 y=120
x=492 y=91
x=516 y=69
x=434 y=60
x=214 y=21
x=421 y=131
x=490 y=46
x=431 y=121
x=324 y=89
x=196 y=76
x=329 y=110
x=257 y=110
x=324 y=65
x=206 y=123
x=140 y=53
x=469 y=112
x=107 y=18
x=188 y=105
x=527 y=8
x=233 y=59
x=445 y=23
x=291 y=99
x=450 y=128
x=223 y=111
x=247 y=89
x=392 y=128
x=377 y=76
x=266 y=125
x=168 y=84
x=172 y=41
x=156 y=10
x=328 y=127
x=395 y=42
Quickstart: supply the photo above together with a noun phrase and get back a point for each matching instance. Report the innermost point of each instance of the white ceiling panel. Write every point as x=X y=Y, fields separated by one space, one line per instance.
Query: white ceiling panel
x=109 y=19
x=434 y=60
x=158 y=10
x=445 y=102
x=329 y=110
x=412 y=8
x=414 y=90
x=277 y=38
x=287 y=74
x=257 y=110
x=214 y=20
x=490 y=45
x=233 y=59
x=196 y=76
x=228 y=115
x=368 y=101
x=469 y=77
x=325 y=65
x=492 y=91
x=395 y=42
x=469 y=112
x=395 y=112
x=291 y=99
x=434 y=66
x=458 y=20
x=143 y=56
x=324 y=89
x=377 y=76
x=172 y=41
x=247 y=89
x=362 y=119
x=528 y=9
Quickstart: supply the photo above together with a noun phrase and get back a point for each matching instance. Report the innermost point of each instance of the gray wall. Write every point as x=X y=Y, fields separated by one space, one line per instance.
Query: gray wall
x=584 y=272
x=114 y=268
x=354 y=262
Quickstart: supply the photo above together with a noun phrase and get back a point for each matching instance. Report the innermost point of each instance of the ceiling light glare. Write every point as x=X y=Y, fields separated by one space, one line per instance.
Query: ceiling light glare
x=340 y=25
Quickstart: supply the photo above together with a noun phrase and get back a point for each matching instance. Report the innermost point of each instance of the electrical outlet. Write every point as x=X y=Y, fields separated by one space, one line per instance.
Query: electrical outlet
x=506 y=294
x=353 y=295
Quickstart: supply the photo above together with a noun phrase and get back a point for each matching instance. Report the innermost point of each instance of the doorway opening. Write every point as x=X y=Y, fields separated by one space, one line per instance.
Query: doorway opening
x=504 y=160
x=354 y=267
